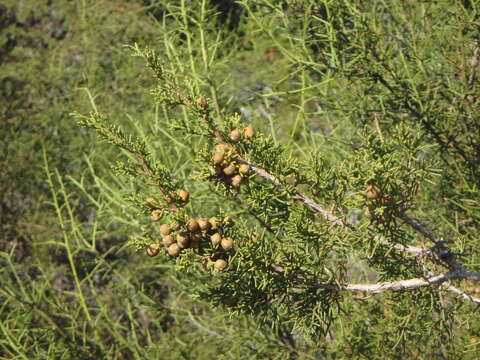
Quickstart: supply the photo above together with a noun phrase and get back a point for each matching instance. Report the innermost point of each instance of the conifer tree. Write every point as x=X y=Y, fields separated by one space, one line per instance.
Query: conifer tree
x=352 y=229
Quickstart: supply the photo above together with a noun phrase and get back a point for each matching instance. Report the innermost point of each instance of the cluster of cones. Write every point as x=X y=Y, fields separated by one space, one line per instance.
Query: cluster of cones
x=224 y=159
x=195 y=234
x=202 y=233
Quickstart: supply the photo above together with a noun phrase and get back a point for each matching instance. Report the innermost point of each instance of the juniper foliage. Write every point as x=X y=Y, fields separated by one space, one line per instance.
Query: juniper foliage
x=383 y=125
x=353 y=208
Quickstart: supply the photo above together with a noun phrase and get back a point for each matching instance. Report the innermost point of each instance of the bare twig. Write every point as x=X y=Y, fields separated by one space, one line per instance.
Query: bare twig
x=409 y=284
x=463 y=294
x=327 y=215
x=446 y=257
x=419 y=227
x=415 y=251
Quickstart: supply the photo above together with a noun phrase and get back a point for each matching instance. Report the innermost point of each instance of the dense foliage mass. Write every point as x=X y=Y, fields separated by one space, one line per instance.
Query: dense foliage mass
x=283 y=180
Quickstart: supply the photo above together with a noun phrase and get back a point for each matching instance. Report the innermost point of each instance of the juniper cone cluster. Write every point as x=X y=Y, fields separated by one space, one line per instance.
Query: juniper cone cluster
x=227 y=168
x=197 y=234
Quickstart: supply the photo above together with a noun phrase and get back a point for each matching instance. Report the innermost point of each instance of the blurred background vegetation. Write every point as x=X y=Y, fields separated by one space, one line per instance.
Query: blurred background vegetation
x=69 y=289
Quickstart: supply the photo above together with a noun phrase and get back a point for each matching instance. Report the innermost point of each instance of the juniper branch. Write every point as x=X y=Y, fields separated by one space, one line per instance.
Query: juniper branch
x=445 y=257
x=132 y=145
x=400 y=285
x=457 y=272
x=463 y=294
x=408 y=284
x=301 y=197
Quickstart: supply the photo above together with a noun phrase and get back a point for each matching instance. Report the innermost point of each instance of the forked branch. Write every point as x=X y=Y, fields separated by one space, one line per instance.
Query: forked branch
x=457 y=272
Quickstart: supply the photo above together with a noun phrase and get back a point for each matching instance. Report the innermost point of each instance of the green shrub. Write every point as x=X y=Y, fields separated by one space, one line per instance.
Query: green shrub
x=352 y=209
